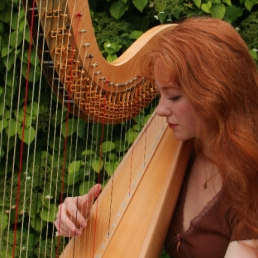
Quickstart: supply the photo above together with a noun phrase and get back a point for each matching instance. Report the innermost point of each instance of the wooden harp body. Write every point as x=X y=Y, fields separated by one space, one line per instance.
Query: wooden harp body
x=132 y=219
x=131 y=216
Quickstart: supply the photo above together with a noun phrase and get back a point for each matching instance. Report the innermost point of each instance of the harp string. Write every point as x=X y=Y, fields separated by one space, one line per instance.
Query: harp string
x=22 y=141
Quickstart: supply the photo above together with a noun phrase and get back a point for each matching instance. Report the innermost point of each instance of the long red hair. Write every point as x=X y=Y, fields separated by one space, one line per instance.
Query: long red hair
x=212 y=64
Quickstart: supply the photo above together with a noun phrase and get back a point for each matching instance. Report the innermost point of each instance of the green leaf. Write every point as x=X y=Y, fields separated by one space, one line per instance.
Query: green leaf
x=111 y=58
x=12 y=128
x=254 y=54
x=3 y=124
x=249 y=4
x=162 y=17
x=131 y=135
x=68 y=128
x=74 y=166
x=233 y=13
x=118 y=9
x=32 y=109
x=35 y=204
x=197 y=3
x=97 y=165
x=75 y=177
x=75 y=172
x=218 y=11
x=135 y=34
x=3 y=221
x=6 y=51
x=49 y=215
x=107 y=146
x=88 y=152
x=28 y=136
x=112 y=47
x=37 y=224
x=16 y=39
x=112 y=157
x=110 y=167
x=140 y=4
x=8 y=62
x=206 y=7
x=30 y=74
x=228 y=2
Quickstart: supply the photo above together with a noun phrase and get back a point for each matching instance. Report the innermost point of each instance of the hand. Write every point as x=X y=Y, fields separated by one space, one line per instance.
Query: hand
x=72 y=213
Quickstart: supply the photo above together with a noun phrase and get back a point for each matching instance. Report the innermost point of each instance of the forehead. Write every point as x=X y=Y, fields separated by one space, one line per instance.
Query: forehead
x=165 y=76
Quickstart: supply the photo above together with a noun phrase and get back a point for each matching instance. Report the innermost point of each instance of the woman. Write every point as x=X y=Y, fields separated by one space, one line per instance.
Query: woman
x=208 y=85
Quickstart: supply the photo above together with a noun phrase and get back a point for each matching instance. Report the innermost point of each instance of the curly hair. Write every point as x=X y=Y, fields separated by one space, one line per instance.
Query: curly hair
x=211 y=63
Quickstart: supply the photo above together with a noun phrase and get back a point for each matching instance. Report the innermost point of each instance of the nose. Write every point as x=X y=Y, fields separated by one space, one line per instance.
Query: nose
x=162 y=109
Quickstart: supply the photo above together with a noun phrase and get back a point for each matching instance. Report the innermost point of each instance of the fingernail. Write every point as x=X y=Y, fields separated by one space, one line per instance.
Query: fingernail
x=78 y=232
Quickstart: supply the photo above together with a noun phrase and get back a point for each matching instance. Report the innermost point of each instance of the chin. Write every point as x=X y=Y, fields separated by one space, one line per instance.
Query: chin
x=182 y=137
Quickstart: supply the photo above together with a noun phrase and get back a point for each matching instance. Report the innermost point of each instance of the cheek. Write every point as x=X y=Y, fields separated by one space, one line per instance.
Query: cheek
x=188 y=115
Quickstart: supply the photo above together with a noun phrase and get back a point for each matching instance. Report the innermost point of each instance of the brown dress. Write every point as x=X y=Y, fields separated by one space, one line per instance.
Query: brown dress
x=209 y=234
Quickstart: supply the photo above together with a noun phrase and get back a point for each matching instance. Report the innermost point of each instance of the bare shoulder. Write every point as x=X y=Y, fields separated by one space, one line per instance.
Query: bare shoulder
x=240 y=249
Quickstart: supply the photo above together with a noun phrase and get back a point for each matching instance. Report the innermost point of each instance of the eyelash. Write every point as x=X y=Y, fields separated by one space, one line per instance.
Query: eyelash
x=175 y=98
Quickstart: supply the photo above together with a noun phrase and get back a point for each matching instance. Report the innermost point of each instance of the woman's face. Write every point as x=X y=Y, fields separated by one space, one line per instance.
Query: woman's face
x=174 y=105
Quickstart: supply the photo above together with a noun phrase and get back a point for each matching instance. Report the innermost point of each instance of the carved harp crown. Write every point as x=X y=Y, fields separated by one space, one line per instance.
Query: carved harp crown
x=135 y=224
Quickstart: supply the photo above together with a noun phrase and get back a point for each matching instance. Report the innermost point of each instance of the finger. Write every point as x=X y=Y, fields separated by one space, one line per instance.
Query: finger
x=65 y=230
x=69 y=214
x=66 y=225
x=86 y=201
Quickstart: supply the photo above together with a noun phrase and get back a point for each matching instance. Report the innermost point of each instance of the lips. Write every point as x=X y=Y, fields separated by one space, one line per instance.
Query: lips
x=172 y=126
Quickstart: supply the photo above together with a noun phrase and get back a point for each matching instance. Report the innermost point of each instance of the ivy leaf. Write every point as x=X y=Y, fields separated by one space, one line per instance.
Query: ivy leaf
x=49 y=215
x=118 y=9
x=68 y=128
x=5 y=51
x=3 y=124
x=32 y=109
x=32 y=74
x=37 y=224
x=74 y=166
x=3 y=221
x=218 y=11
x=75 y=173
x=12 y=129
x=8 y=62
x=198 y=3
x=107 y=146
x=16 y=39
x=135 y=34
x=228 y=2
x=111 y=58
x=29 y=134
x=140 y=4
x=110 y=167
x=232 y=13
x=206 y=7
x=97 y=165
x=162 y=16
x=131 y=135
x=249 y=4
x=88 y=152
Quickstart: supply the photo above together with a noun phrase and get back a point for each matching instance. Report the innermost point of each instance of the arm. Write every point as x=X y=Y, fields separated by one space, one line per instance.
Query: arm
x=242 y=249
x=72 y=213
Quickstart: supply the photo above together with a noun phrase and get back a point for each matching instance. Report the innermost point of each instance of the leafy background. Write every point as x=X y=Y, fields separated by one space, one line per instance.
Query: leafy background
x=59 y=157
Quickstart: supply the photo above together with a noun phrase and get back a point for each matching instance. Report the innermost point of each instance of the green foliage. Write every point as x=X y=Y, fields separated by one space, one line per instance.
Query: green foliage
x=67 y=160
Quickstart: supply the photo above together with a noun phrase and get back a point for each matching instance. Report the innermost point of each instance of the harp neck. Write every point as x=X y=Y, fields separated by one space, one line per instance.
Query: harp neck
x=101 y=91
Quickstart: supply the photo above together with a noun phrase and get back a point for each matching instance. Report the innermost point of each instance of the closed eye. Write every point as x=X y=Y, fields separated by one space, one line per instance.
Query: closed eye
x=175 y=98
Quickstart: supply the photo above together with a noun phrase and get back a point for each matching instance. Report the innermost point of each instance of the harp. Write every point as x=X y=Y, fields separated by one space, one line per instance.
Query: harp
x=143 y=191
